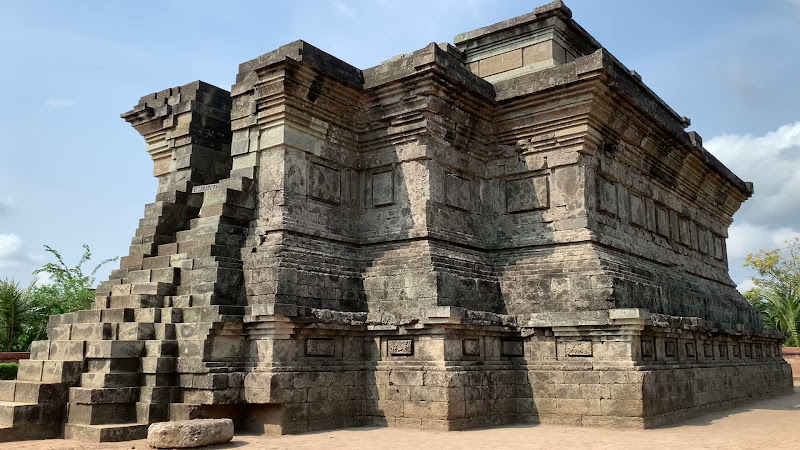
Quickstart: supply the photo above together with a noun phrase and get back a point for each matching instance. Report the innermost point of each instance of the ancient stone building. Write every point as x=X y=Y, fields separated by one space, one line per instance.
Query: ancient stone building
x=510 y=229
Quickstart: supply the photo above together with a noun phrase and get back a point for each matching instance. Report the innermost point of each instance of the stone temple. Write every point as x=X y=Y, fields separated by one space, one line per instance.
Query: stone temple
x=509 y=229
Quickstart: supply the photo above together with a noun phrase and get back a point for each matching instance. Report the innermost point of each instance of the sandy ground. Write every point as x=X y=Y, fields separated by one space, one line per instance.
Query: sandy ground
x=771 y=424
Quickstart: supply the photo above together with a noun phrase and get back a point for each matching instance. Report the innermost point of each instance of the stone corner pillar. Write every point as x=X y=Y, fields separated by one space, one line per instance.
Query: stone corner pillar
x=188 y=134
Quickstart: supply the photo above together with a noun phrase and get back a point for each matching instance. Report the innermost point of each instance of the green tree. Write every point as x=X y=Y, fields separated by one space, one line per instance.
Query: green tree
x=15 y=316
x=777 y=288
x=70 y=289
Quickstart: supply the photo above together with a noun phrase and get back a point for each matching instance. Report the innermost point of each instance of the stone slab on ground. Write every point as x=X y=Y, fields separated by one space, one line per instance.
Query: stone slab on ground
x=190 y=433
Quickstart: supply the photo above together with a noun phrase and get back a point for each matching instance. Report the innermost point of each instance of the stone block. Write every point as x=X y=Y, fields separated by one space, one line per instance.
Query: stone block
x=190 y=433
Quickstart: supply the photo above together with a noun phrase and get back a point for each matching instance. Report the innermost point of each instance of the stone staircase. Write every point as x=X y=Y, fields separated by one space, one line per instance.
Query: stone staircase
x=143 y=353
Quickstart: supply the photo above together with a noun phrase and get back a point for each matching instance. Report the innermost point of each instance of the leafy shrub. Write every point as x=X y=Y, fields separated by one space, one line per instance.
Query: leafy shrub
x=8 y=371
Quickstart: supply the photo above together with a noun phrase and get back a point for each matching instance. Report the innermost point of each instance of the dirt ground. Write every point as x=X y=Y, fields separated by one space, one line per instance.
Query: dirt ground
x=768 y=424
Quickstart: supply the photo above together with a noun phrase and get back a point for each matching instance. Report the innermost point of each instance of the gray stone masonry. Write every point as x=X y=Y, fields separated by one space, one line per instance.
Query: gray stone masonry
x=513 y=229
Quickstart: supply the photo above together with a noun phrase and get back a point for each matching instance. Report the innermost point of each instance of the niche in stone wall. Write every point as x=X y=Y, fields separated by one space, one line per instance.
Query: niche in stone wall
x=457 y=192
x=662 y=221
x=606 y=196
x=638 y=210
x=527 y=194
x=382 y=188
x=325 y=184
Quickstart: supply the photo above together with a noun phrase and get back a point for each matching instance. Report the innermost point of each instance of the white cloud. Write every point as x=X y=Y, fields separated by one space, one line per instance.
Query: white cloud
x=745 y=238
x=766 y=221
x=745 y=285
x=10 y=246
x=58 y=102
x=772 y=163
x=6 y=204
x=43 y=279
x=345 y=9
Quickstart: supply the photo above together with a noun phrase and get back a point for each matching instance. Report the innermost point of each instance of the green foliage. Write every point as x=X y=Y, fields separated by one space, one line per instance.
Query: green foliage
x=24 y=313
x=15 y=314
x=777 y=291
x=71 y=290
x=8 y=371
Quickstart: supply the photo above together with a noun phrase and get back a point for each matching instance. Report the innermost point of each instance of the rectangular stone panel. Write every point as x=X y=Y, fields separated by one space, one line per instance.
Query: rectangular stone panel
x=647 y=349
x=527 y=194
x=708 y=350
x=702 y=240
x=686 y=229
x=325 y=184
x=457 y=192
x=320 y=347
x=501 y=63
x=723 y=350
x=671 y=349
x=582 y=348
x=471 y=347
x=400 y=347
x=383 y=188
x=512 y=348
x=662 y=221
x=638 y=211
x=606 y=196
x=690 y=349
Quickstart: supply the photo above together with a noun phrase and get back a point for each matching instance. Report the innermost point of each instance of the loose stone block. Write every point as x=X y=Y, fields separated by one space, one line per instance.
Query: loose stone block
x=190 y=433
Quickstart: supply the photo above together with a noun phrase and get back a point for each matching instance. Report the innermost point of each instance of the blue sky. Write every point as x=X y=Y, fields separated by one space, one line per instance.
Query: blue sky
x=73 y=172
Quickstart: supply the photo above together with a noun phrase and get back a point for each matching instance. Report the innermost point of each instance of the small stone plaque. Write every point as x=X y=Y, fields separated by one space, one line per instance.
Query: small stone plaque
x=400 y=347
x=471 y=347
x=527 y=194
x=581 y=348
x=205 y=188
x=638 y=211
x=708 y=350
x=671 y=349
x=767 y=351
x=606 y=196
x=690 y=349
x=723 y=350
x=457 y=192
x=737 y=350
x=382 y=188
x=325 y=184
x=320 y=347
x=647 y=349
x=757 y=350
x=512 y=348
x=747 y=351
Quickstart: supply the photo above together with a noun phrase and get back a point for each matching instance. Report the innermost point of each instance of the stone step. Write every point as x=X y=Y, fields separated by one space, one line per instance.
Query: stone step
x=50 y=371
x=158 y=394
x=137 y=331
x=161 y=348
x=91 y=396
x=105 y=433
x=106 y=365
x=39 y=392
x=115 y=349
x=101 y=413
x=136 y=301
x=17 y=412
x=109 y=379
x=152 y=412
